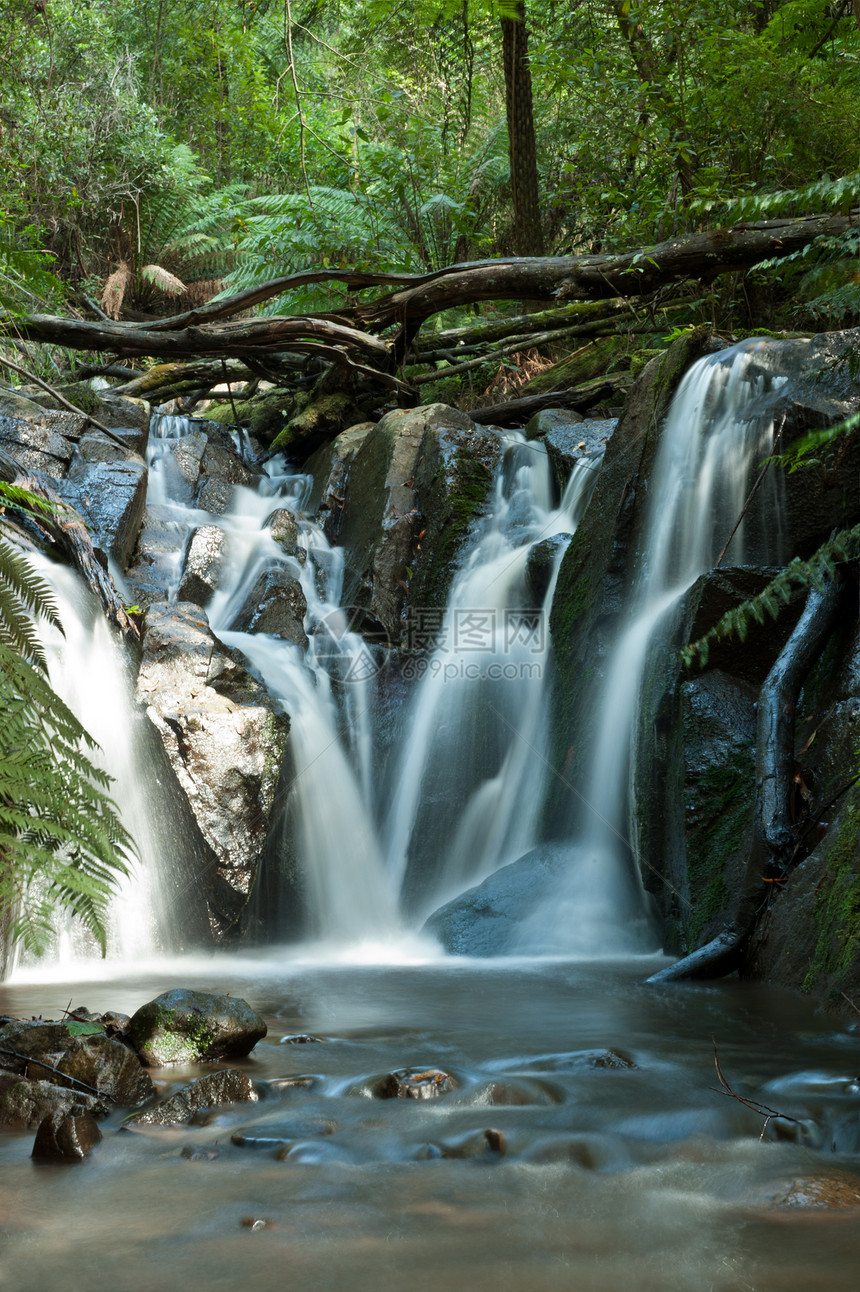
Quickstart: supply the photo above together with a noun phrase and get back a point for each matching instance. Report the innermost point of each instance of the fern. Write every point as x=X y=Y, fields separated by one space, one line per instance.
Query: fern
x=843 y=546
x=62 y=844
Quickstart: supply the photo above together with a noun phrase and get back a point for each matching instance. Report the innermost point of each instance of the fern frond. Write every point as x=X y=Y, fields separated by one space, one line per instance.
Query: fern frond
x=115 y=287
x=163 y=280
x=843 y=546
x=23 y=594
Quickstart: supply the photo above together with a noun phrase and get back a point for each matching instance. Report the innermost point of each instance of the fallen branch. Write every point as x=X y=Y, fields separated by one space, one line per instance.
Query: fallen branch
x=761 y=1110
x=773 y=836
x=516 y=412
x=61 y=399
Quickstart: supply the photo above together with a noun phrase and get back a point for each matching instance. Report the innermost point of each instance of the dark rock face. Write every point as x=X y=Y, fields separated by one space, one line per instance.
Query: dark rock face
x=52 y=1052
x=541 y=562
x=485 y=920
x=183 y=1026
x=230 y=1086
x=202 y=566
x=225 y=738
x=330 y=467
x=66 y=1137
x=416 y=484
x=101 y=480
x=107 y=486
x=275 y=605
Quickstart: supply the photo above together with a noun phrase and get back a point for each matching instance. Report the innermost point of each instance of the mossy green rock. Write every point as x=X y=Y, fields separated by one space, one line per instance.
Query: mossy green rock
x=183 y=1026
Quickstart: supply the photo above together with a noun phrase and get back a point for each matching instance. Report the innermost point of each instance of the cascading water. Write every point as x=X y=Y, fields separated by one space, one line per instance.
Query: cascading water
x=347 y=895
x=719 y=429
x=472 y=767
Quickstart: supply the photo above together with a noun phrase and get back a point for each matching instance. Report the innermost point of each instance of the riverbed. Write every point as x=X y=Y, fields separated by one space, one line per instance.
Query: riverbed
x=612 y=1160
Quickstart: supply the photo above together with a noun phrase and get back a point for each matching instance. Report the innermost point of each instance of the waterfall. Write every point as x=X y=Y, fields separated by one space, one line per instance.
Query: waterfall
x=718 y=431
x=468 y=789
x=347 y=894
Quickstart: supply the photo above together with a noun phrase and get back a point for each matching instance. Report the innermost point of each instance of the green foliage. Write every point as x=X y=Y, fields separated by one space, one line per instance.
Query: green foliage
x=62 y=845
x=843 y=546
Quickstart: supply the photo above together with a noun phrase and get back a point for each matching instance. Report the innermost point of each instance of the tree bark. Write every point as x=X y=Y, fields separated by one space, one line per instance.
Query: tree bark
x=528 y=237
x=773 y=836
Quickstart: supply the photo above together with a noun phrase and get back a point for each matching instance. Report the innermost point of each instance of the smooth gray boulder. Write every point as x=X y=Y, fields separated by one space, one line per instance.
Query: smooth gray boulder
x=183 y=1026
x=485 y=920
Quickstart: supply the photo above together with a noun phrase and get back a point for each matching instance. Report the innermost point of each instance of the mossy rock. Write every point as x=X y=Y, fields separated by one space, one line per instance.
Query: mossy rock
x=265 y=416
x=320 y=420
x=183 y=1026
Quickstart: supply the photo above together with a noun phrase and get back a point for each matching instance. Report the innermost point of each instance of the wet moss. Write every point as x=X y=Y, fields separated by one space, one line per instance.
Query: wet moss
x=719 y=810
x=837 y=912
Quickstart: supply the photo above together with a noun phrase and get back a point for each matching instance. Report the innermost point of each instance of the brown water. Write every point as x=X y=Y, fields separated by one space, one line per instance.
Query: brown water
x=639 y=1177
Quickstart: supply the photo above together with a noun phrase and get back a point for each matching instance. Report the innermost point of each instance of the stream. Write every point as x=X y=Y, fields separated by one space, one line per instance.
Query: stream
x=639 y=1177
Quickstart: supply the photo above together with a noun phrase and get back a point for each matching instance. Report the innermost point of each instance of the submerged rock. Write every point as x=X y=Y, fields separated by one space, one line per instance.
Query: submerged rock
x=414 y=1083
x=485 y=920
x=66 y=1137
x=219 y=1089
x=183 y=1026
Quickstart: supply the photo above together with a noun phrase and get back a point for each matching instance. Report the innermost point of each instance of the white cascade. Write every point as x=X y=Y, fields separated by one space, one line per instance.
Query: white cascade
x=347 y=893
x=718 y=432
x=472 y=766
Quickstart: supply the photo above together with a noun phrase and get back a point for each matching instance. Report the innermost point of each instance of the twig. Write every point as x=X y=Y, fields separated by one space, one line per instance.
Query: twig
x=55 y=394
x=761 y=1110
x=40 y=1063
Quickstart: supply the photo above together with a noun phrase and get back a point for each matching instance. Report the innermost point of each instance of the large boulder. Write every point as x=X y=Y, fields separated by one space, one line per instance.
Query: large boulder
x=225 y=738
x=107 y=486
x=109 y=1067
x=329 y=468
x=487 y=920
x=568 y=436
x=183 y=1026
x=24 y=1104
x=418 y=481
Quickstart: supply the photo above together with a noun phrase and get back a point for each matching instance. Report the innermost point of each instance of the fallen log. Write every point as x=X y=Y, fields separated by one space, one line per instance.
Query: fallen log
x=774 y=839
x=516 y=412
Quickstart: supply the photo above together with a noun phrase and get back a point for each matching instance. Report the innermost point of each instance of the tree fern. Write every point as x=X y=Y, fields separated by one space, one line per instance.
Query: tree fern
x=843 y=546
x=62 y=844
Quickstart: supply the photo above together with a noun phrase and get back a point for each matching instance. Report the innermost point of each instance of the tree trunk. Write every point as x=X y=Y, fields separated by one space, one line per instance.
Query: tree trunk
x=528 y=238
x=773 y=837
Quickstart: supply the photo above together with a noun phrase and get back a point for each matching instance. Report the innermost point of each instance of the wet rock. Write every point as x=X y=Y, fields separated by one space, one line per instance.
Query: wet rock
x=40 y=439
x=183 y=1026
x=818 y=1191
x=256 y=1223
x=37 y=1040
x=109 y=1067
x=200 y=1154
x=414 y=1083
x=25 y=1104
x=302 y=1038
x=275 y=605
x=542 y=561
x=418 y=481
x=284 y=529
x=583 y=1060
x=215 y=496
x=225 y=738
x=471 y=1145
x=107 y=486
x=551 y=419
x=230 y=1086
x=66 y=1137
x=486 y=920
x=280 y=1132
x=203 y=565
x=330 y=467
